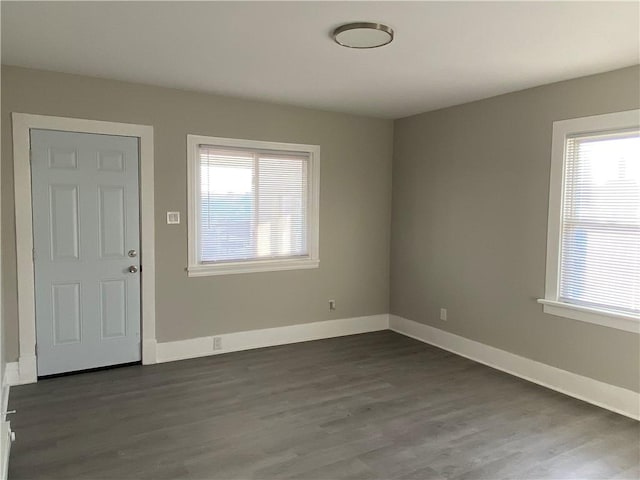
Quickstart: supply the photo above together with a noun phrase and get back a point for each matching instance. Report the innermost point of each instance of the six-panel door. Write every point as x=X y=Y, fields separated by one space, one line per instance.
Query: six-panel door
x=86 y=238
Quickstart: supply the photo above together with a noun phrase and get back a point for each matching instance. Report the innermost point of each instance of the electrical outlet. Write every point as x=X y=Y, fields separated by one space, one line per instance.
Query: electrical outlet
x=332 y=304
x=217 y=343
x=443 y=314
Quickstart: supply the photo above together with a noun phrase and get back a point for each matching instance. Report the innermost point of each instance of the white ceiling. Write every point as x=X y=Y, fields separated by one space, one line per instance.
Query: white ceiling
x=445 y=53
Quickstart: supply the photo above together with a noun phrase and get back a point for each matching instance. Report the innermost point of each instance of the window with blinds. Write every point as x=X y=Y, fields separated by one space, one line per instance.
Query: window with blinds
x=252 y=205
x=599 y=263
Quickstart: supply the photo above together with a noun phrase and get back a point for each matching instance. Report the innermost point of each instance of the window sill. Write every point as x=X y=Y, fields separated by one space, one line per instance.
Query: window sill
x=205 y=270
x=607 y=318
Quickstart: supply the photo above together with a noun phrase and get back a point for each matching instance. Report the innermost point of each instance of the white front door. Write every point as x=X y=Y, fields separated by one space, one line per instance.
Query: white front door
x=86 y=250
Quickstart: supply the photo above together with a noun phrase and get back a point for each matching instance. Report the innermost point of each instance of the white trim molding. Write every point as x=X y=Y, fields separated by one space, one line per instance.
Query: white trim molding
x=268 y=337
x=7 y=440
x=618 y=320
x=253 y=266
x=614 y=398
x=22 y=125
x=620 y=400
x=196 y=268
x=12 y=374
x=6 y=435
x=20 y=372
x=552 y=304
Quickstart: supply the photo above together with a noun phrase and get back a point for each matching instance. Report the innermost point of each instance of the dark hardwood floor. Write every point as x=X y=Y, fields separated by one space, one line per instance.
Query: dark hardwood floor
x=377 y=405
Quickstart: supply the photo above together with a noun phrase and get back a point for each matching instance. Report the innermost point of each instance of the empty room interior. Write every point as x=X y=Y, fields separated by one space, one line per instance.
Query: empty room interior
x=320 y=240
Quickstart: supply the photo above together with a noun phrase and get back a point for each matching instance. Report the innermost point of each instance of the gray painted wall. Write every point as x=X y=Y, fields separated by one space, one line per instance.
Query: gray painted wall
x=469 y=213
x=355 y=202
x=469 y=223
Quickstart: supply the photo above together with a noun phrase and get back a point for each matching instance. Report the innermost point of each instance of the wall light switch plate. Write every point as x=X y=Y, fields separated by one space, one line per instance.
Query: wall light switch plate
x=173 y=218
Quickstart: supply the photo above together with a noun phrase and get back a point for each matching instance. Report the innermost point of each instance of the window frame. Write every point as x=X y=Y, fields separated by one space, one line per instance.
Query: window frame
x=195 y=268
x=551 y=304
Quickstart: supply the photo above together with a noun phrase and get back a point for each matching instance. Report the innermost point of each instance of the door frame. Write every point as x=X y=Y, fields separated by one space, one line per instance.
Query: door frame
x=22 y=125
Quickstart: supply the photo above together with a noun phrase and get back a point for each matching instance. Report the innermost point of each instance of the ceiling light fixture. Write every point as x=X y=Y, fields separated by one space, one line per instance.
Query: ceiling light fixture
x=363 y=35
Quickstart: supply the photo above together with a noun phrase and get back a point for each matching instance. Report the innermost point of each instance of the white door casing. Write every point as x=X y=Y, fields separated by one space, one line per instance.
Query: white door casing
x=86 y=223
x=22 y=125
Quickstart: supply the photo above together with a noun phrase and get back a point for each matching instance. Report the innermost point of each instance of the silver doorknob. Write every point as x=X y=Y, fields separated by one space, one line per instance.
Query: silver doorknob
x=133 y=253
x=133 y=269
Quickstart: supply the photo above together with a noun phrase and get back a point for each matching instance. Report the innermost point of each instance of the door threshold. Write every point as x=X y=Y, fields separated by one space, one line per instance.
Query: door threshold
x=89 y=370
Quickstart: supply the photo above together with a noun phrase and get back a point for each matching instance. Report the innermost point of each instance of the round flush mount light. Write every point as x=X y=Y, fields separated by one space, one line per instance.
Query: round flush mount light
x=363 y=35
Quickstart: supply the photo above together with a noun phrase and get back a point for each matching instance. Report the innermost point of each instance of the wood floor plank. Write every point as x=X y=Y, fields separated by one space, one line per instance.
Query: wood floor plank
x=371 y=406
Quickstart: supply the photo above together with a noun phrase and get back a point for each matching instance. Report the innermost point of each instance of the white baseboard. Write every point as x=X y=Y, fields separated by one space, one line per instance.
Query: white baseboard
x=5 y=429
x=11 y=374
x=611 y=397
x=5 y=396
x=268 y=337
x=21 y=372
x=28 y=368
x=149 y=352
x=5 y=448
x=617 y=399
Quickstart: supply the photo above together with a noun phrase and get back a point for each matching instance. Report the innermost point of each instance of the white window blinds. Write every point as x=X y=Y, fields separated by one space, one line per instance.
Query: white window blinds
x=600 y=229
x=252 y=204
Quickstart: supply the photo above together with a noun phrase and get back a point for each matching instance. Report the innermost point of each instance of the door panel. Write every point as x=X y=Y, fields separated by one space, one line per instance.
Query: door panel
x=111 y=221
x=65 y=299
x=63 y=206
x=85 y=221
x=113 y=308
x=61 y=157
x=111 y=161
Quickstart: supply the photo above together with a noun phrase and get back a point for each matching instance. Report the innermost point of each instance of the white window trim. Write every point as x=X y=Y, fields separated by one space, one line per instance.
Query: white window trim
x=195 y=269
x=561 y=130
